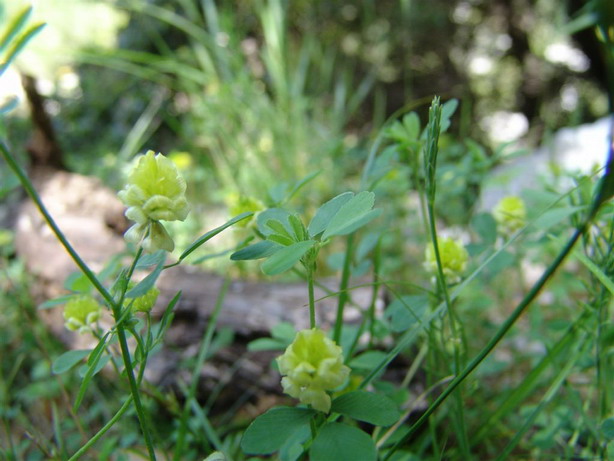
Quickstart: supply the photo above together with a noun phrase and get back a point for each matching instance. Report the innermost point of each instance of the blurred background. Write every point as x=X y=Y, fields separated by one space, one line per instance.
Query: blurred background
x=250 y=97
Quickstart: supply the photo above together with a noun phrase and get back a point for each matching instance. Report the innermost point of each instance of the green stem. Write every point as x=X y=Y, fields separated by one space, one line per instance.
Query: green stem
x=121 y=334
x=376 y=270
x=103 y=430
x=343 y=294
x=134 y=390
x=312 y=306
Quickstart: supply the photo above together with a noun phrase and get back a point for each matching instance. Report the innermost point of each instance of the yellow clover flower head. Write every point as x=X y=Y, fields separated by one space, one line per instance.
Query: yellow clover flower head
x=453 y=256
x=312 y=365
x=146 y=302
x=80 y=312
x=155 y=192
x=510 y=214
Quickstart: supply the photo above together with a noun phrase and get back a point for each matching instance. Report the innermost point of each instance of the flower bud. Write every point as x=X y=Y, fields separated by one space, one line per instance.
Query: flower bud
x=155 y=190
x=312 y=365
x=453 y=257
x=80 y=312
x=510 y=214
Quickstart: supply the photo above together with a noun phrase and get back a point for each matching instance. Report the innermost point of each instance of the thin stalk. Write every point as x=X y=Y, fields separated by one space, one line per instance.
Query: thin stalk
x=430 y=172
x=376 y=270
x=103 y=430
x=312 y=307
x=134 y=390
x=410 y=409
x=343 y=294
x=121 y=333
x=509 y=322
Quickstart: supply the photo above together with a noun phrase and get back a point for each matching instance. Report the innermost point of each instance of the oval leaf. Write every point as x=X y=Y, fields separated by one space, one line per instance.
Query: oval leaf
x=151 y=259
x=340 y=442
x=365 y=406
x=68 y=360
x=270 y=430
x=276 y=214
x=355 y=213
x=326 y=212
x=287 y=257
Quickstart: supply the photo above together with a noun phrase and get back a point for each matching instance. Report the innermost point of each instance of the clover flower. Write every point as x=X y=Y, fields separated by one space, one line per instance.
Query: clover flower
x=155 y=192
x=312 y=365
x=453 y=257
x=80 y=312
x=510 y=214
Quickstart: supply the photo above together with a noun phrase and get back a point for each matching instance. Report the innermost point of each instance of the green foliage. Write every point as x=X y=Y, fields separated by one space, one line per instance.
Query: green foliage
x=443 y=369
x=288 y=241
x=271 y=430
x=342 y=442
x=371 y=408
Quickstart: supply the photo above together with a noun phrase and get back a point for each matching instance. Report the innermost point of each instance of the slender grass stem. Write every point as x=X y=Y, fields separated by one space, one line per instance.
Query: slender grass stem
x=103 y=430
x=312 y=307
x=116 y=308
x=343 y=293
x=377 y=256
x=430 y=163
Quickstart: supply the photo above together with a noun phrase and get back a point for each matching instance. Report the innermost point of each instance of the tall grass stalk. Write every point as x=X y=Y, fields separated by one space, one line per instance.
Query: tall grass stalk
x=430 y=163
x=116 y=308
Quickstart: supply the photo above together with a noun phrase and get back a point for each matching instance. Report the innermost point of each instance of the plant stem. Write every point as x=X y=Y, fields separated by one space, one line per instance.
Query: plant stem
x=376 y=270
x=312 y=307
x=343 y=294
x=430 y=163
x=103 y=430
x=116 y=308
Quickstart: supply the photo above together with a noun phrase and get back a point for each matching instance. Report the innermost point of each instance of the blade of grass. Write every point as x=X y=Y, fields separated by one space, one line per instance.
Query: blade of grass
x=15 y=26
x=116 y=307
x=19 y=45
